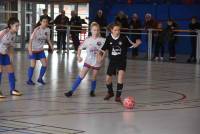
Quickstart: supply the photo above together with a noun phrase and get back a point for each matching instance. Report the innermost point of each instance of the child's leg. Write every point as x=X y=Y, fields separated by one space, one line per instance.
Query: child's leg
x=11 y=77
x=120 y=81
x=93 y=82
x=42 y=70
x=94 y=77
x=31 y=70
x=78 y=80
x=111 y=71
x=109 y=85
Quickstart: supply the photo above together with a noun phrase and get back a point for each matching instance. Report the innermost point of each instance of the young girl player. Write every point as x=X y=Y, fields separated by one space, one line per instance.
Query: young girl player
x=117 y=46
x=39 y=38
x=92 y=62
x=7 y=39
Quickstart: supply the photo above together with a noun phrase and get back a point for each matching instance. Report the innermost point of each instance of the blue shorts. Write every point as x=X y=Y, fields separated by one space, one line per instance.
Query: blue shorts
x=4 y=59
x=37 y=56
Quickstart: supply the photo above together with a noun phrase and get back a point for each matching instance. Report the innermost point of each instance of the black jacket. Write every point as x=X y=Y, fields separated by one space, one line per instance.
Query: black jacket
x=194 y=26
x=61 y=20
x=170 y=33
x=135 y=25
x=123 y=21
x=101 y=21
x=76 y=21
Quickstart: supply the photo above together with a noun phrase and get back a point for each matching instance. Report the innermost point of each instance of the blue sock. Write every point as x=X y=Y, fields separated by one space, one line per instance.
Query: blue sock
x=42 y=72
x=30 y=73
x=11 y=77
x=76 y=83
x=0 y=76
x=93 y=85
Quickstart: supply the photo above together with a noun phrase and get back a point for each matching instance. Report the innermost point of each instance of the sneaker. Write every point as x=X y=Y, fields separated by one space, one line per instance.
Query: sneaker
x=69 y=94
x=30 y=82
x=1 y=95
x=15 y=93
x=108 y=96
x=41 y=81
x=118 y=99
x=92 y=94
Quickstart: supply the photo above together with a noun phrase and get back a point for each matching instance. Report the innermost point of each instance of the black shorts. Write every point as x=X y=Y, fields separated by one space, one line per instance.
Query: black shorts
x=114 y=67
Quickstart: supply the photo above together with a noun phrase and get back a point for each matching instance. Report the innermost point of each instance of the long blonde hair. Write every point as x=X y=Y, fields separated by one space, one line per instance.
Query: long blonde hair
x=95 y=24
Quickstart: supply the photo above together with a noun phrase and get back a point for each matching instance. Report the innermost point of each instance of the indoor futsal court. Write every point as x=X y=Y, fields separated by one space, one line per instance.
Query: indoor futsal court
x=167 y=100
x=143 y=58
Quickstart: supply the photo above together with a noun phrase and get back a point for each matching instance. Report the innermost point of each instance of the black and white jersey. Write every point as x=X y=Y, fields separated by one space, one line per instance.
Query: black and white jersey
x=117 y=48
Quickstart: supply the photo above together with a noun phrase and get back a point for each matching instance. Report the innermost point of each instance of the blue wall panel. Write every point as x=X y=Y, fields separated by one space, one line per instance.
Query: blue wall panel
x=181 y=13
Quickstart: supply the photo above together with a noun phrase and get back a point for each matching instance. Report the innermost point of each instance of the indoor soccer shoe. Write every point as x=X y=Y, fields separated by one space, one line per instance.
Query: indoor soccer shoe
x=92 y=94
x=108 y=96
x=69 y=94
x=118 y=99
x=41 y=81
x=30 y=82
x=15 y=93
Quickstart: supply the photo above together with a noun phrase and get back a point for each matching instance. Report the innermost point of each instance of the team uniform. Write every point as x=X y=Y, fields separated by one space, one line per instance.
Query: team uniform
x=38 y=39
x=92 y=47
x=117 y=51
x=7 y=39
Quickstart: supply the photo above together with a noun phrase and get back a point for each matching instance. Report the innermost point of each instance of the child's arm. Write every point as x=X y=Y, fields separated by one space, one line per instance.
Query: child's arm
x=11 y=53
x=79 y=55
x=50 y=44
x=49 y=41
x=82 y=46
x=102 y=51
x=33 y=35
x=134 y=44
x=100 y=55
x=30 y=47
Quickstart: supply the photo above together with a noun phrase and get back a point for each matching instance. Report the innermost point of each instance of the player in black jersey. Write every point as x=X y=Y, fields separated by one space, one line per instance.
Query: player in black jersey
x=117 y=46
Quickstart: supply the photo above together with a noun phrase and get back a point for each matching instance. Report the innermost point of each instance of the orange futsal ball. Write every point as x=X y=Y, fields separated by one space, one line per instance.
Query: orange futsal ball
x=129 y=102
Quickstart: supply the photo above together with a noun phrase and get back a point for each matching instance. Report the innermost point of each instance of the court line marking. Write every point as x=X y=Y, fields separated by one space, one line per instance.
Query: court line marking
x=42 y=125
